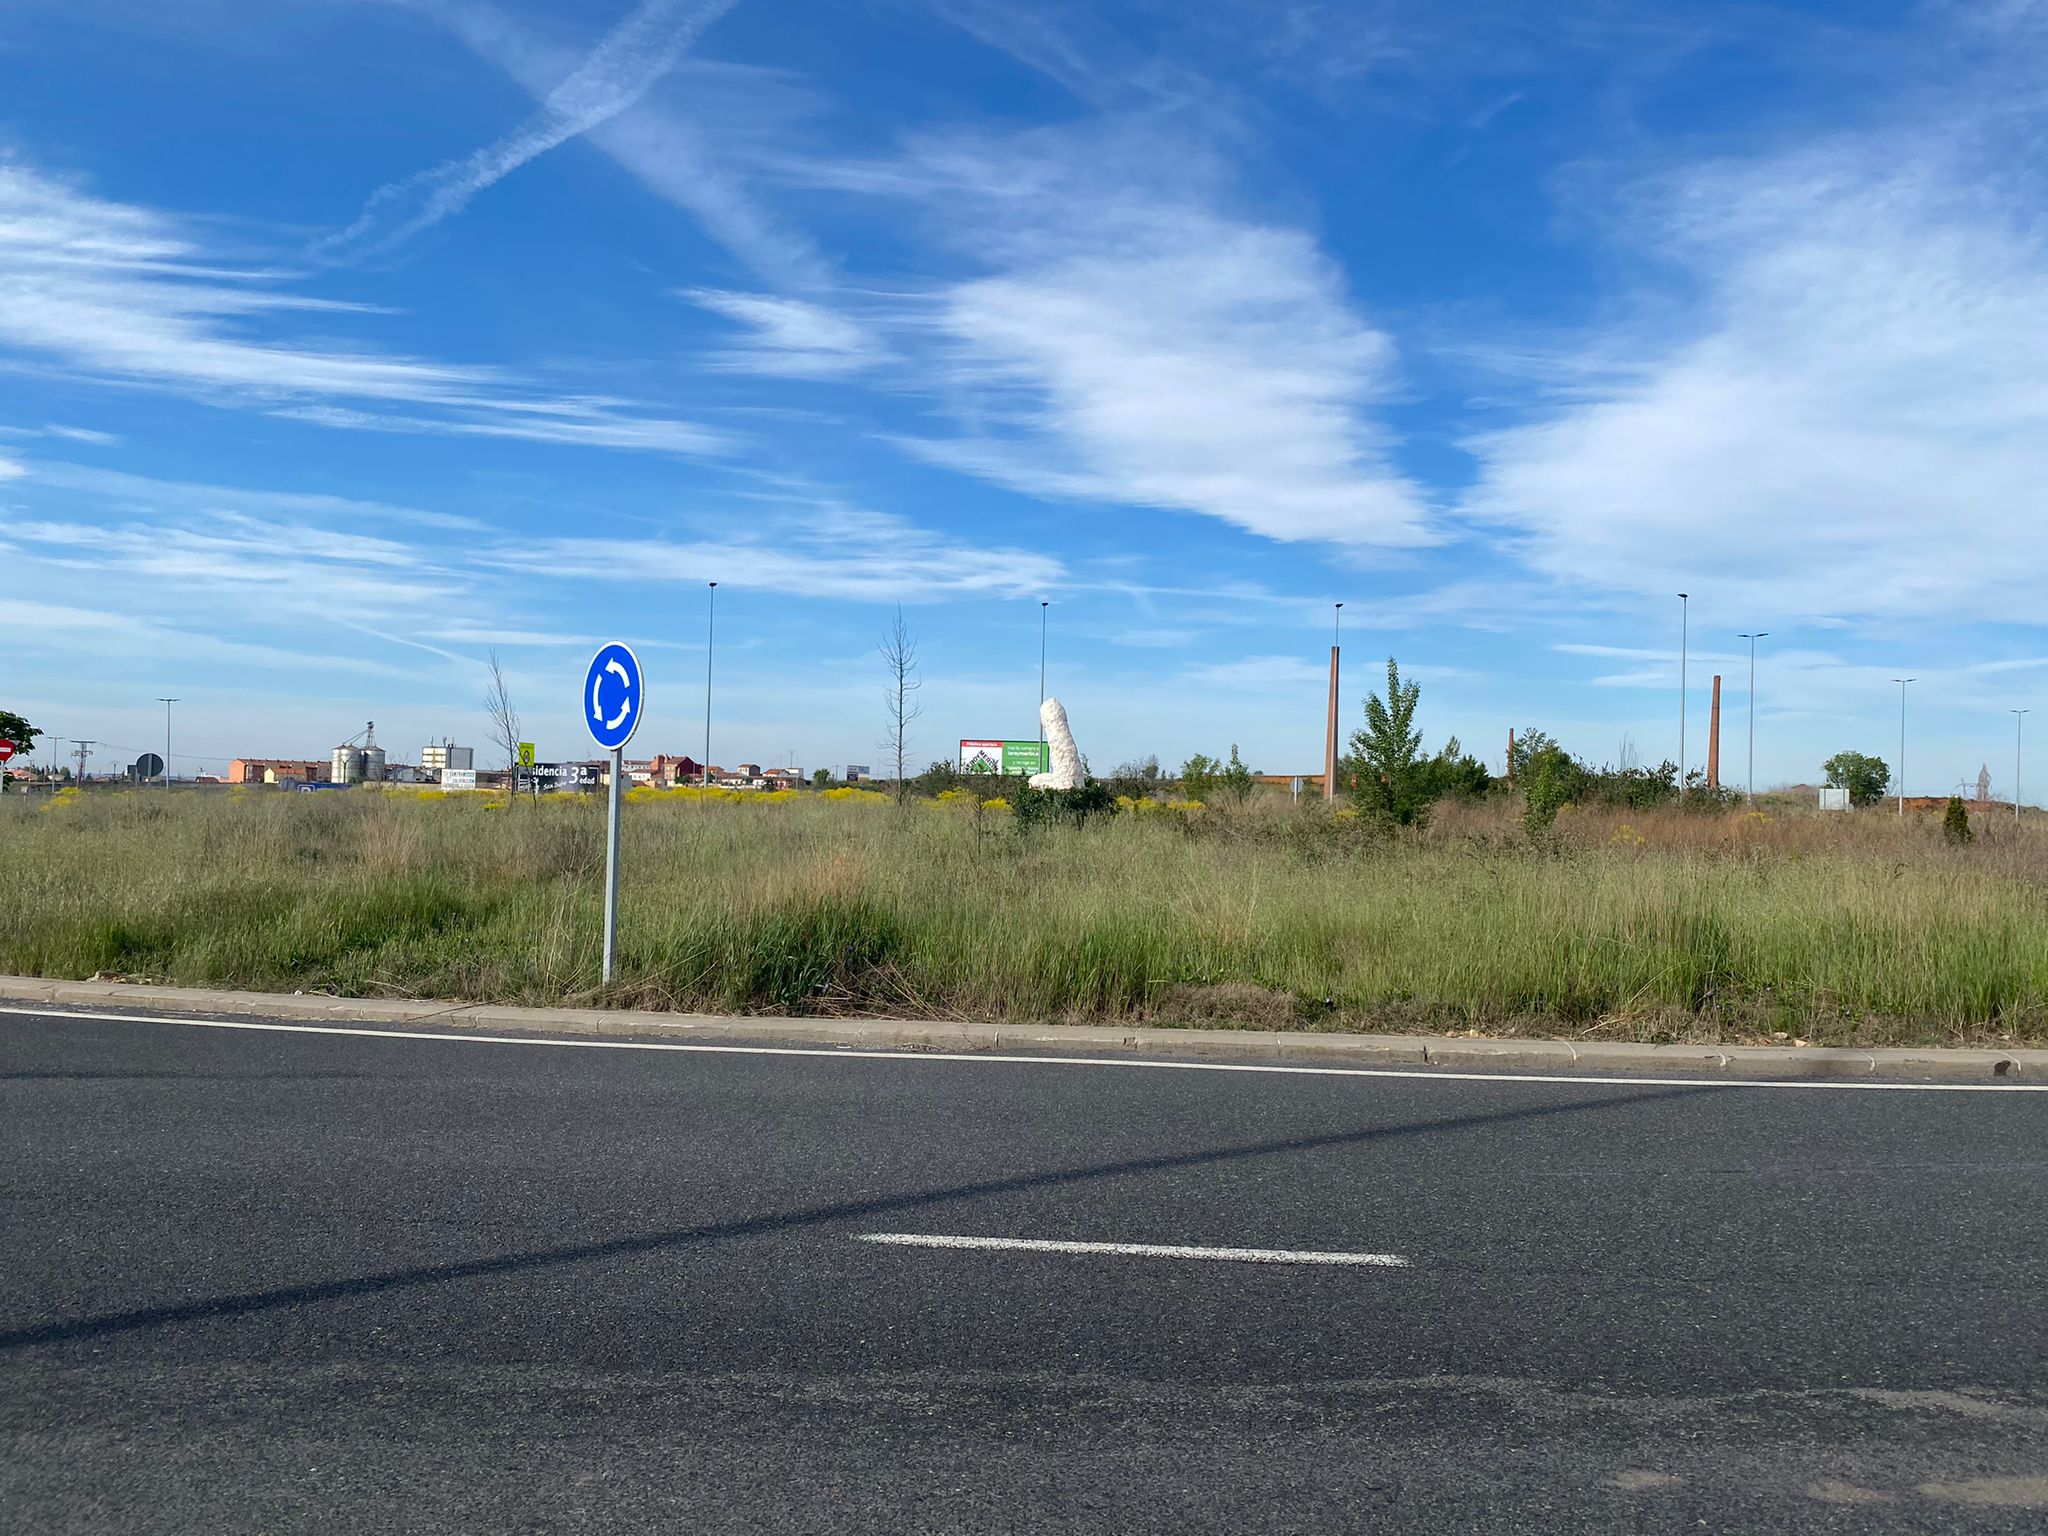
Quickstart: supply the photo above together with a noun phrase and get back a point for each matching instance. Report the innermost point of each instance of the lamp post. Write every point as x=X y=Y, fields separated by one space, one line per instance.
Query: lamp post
x=1684 y=624
x=710 y=634
x=1752 y=639
x=167 y=703
x=1902 y=681
x=2018 y=719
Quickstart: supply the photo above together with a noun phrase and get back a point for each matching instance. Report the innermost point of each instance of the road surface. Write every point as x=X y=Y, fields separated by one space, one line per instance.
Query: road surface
x=302 y=1279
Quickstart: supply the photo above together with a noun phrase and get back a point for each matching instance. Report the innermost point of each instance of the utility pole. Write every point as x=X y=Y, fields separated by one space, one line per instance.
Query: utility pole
x=710 y=634
x=1752 y=639
x=2018 y=717
x=84 y=751
x=1902 y=681
x=167 y=703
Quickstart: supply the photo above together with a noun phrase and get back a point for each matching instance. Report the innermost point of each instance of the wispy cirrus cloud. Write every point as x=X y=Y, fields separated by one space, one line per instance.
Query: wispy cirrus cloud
x=618 y=72
x=111 y=291
x=1837 y=411
x=825 y=551
x=789 y=338
x=1130 y=339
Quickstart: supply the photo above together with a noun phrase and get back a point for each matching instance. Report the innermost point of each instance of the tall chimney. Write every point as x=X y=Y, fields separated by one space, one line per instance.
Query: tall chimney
x=1330 y=745
x=1714 y=739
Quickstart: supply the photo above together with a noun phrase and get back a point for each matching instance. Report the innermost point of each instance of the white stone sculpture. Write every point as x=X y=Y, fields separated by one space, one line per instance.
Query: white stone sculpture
x=1067 y=772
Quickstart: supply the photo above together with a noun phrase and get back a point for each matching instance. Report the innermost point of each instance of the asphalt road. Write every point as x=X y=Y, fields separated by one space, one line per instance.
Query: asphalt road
x=303 y=1280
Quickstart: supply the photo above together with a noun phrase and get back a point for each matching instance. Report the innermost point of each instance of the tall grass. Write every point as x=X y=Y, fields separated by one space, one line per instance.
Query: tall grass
x=1827 y=929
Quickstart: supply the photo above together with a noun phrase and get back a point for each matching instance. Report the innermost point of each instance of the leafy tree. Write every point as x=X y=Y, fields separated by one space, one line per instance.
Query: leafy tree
x=1530 y=744
x=1234 y=781
x=17 y=730
x=1864 y=776
x=1384 y=776
x=1551 y=779
x=1454 y=772
x=943 y=774
x=1955 y=822
x=1198 y=776
x=822 y=779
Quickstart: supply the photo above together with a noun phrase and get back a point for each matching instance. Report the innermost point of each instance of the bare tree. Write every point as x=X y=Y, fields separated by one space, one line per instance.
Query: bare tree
x=899 y=655
x=504 y=725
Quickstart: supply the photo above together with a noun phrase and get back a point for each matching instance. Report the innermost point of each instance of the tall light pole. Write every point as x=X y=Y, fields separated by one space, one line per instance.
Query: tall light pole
x=167 y=703
x=710 y=634
x=1043 y=604
x=1684 y=624
x=1902 y=681
x=1752 y=639
x=2018 y=718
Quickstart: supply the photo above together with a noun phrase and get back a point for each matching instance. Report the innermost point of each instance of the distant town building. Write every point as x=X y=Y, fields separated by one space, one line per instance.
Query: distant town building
x=434 y=758
x=270 y=770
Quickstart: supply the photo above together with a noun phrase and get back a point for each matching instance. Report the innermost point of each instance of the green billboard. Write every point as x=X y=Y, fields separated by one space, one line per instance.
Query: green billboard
x=1020 y=758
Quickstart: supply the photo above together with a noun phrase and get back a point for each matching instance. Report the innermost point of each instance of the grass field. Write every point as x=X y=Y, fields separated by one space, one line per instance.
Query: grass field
x=1669 y=926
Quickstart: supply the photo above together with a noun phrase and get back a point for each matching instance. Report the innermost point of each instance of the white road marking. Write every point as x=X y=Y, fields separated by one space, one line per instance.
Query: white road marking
x=997 y=1057
x=1137 y=1250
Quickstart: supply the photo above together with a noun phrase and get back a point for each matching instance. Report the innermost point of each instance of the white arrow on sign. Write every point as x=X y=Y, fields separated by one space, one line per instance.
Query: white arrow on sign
x=625 y=705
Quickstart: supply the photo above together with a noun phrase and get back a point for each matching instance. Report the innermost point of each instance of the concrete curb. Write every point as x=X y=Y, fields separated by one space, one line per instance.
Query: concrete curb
x=947 y=1035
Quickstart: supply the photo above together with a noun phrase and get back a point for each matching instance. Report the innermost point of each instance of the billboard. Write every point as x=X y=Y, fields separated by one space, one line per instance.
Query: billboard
x=458 y=778
x=855 y=772
x=1007 y=757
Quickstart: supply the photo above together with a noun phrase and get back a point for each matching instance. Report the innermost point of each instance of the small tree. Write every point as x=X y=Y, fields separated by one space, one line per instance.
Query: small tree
x=1864 y=776
x=1234 y=781
x=1955 y=822
x=504 y=725
x=1382 y=769
x=1198 y=776
x=899 y=657
x=822 y=779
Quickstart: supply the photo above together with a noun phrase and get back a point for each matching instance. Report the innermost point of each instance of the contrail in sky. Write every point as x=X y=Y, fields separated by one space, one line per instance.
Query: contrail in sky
x=619 y=71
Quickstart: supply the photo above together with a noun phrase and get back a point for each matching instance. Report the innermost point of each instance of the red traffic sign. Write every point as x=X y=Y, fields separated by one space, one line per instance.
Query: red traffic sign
x=6 y=750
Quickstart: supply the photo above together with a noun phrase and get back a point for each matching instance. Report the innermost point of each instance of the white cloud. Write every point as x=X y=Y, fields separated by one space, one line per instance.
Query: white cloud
x=1851 y=420
x=116 y=292
x=791 y=338
x=10 y=468
x=830 y=552
x=1133 y=341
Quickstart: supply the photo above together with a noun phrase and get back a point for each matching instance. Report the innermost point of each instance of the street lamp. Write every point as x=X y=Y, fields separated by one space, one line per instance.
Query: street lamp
x=1752 y=639
x=1902 y=681
x=167 y=703
x=710 y=633
x=1684 y=621
x=2018 y=718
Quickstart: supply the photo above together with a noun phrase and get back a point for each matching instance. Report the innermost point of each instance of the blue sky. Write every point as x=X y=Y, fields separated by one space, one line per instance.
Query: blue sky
x=341 y=340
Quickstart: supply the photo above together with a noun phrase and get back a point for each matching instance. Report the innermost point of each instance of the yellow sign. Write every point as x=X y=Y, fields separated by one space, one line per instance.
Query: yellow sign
x=526 y=754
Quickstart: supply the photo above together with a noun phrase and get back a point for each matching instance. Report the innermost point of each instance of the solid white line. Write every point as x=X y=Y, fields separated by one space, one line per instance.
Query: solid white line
x=1001 y=1058
x=1137 y=1250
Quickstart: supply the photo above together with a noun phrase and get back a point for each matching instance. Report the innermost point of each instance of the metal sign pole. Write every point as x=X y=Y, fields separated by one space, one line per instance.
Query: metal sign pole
x=611 y=868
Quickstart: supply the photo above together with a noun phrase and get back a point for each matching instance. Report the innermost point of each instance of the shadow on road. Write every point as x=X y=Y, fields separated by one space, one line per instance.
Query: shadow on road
x=283 y=1297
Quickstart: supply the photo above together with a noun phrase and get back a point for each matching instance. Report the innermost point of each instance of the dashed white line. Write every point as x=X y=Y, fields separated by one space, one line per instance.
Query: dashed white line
x=1001 y=1058
x=1137 y=1250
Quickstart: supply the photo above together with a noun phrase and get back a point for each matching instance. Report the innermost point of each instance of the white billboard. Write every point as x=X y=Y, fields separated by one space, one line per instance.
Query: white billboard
x=458 y=778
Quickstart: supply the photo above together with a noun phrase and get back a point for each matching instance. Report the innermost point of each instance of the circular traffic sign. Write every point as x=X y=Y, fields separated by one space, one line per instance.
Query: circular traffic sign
x=6 y=749
x=613 y=698
x=148 y=766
